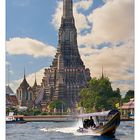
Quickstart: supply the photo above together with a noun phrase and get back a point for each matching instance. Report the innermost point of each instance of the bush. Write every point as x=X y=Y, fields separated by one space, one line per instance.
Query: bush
x=30 y=112
x=44 y=113
x=36 y=112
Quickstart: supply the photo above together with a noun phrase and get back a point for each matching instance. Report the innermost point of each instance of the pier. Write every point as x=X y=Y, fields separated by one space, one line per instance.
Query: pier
x=59 y=118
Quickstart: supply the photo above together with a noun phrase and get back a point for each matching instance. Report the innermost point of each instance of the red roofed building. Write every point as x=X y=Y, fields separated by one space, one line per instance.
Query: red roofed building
x=128 y=108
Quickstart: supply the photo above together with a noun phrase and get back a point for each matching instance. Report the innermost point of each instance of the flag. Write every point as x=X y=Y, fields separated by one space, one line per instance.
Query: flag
x=117 y=105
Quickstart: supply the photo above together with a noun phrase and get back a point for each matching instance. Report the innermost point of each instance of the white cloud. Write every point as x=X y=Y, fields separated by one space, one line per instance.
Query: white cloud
x=112 y=22
x=117 y=61
x=28 y=46
x=84 y=4
x=56 y=17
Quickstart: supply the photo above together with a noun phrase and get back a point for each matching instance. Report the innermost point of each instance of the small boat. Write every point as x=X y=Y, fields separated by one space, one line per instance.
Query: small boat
x=17 y=119
x=106 y=122
x=131 y=116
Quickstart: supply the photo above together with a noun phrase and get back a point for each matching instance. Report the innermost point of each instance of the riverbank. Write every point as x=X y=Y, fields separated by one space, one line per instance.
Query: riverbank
x=58 y=118
x=49 y=118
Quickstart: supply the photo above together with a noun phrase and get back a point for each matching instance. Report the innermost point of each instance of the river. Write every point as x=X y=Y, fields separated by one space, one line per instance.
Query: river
x=62 y=131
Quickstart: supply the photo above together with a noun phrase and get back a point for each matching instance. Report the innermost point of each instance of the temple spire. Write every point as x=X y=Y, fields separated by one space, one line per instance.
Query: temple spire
x=102 y=72
x=35 y=77
x=35 y=83
x=67 y=8
x=24 y=73
x=24 y=82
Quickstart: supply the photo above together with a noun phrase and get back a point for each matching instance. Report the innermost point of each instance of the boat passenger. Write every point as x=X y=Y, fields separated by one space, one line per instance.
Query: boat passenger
x=86 y=123
x=92 y=124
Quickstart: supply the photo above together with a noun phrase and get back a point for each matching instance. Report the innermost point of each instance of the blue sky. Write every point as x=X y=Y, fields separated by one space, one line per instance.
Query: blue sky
x=32 y=19
x=36 y=22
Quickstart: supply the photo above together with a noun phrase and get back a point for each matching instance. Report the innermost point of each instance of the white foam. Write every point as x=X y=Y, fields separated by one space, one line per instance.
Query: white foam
x=72 y=130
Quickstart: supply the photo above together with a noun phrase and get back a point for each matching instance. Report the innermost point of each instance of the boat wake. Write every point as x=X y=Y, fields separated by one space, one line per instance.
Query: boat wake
x=70 y=130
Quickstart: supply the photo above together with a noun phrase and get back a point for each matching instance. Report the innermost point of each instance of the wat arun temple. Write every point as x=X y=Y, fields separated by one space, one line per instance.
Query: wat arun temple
x=67 y=74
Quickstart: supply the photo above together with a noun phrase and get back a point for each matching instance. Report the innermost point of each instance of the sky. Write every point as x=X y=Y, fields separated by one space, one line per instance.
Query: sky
x=105 y=38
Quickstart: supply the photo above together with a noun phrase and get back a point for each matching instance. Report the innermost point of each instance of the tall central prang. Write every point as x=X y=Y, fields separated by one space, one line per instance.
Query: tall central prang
x=67 y=74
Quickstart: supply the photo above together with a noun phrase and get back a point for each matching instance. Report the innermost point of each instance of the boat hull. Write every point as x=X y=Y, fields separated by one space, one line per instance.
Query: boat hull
x=15 y=122
x=108 y=129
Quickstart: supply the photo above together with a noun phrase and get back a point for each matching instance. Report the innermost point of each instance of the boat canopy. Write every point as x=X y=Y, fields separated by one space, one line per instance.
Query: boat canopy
x=22 y=108
x=99 y=114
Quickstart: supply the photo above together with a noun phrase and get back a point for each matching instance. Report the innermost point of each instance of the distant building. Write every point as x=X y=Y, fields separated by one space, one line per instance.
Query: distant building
x=11 y=99
x=128 y=108
x=26 y=94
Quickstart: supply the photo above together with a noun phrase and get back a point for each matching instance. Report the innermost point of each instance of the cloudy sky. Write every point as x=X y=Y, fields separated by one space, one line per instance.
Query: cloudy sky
x=105 y=38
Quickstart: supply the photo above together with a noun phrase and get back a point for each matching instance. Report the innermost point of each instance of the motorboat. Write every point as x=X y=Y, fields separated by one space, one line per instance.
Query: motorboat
x=105 y=123
x=19 y=119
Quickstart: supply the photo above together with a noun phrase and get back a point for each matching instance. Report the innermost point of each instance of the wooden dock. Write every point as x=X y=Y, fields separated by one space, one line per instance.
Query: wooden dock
x=58 y=118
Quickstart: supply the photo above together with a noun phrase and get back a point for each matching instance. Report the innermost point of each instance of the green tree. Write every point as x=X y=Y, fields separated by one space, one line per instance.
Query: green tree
x=128 y=96
x=99 y=95
x=11 y=109
x=117 y=96
x=56 y=104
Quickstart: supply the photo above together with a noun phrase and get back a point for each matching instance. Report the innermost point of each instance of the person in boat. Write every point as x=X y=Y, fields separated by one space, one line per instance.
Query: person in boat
x=89 y=123
x=86 y=123
x=92 y=124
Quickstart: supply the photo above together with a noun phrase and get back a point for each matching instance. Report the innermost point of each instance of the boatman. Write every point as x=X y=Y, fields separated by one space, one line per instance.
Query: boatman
x=92 y=124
